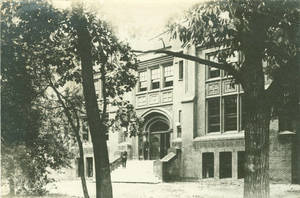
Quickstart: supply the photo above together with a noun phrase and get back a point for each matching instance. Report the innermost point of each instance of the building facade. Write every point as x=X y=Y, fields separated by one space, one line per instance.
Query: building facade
x=199 y=111
x=196 y=113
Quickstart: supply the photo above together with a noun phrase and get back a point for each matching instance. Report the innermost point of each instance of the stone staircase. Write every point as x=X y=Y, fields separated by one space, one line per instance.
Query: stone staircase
x=136 y=171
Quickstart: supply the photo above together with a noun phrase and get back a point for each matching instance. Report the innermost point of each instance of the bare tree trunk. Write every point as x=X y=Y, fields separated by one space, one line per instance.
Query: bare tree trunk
x=97 y=129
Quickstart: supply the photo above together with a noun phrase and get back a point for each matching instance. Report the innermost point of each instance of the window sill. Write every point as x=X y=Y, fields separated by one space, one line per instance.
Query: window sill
x=154 y=90
x=221 y=136
x=167 y=88
x=141 y=93
x=213 y=79
x=177 y=140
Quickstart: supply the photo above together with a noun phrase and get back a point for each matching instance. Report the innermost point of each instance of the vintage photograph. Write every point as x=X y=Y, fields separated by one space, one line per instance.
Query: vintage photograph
x=150 y=98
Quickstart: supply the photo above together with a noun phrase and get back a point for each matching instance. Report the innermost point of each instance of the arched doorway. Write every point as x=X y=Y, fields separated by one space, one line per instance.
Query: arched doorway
x=156 y=141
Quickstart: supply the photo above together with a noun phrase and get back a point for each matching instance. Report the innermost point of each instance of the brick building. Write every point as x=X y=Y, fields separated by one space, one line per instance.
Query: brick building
x=197 y=113
x=194 y=123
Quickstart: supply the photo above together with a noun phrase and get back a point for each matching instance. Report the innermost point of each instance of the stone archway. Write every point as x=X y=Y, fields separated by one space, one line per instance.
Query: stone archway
x=156 y=141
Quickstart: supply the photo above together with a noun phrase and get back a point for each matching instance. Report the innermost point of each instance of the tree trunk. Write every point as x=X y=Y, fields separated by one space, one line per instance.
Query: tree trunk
x=78 y=139
x=11 y=178
x=97 y=129
x=81 y=166
x=257 y=119
x=11 y=182
x=256 y=182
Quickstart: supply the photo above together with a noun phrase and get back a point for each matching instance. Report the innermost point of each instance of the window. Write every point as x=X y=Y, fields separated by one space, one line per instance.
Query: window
x=224 y=99
x=89 y=167
x=180 y=76
x=229 y=119
x=225 y=163
x=179 y=129
x=207 y=165
x=85 y=130
x=168 y=76
x=213 y=72
x=143 y=81
x=241 y=164
x=155 y=78
x=230 y=113
x=213 y=106
x=243 y=113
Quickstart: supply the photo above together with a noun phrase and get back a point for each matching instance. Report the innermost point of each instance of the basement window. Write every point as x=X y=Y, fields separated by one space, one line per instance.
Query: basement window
x=241 y=164
x=207 y=165
x=225 y=163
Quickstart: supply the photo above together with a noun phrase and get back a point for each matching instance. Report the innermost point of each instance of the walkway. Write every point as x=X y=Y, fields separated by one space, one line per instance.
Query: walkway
x=135 y=172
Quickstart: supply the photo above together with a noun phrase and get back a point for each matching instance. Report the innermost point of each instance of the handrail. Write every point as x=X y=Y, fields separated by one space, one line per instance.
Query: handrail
x=115 y=164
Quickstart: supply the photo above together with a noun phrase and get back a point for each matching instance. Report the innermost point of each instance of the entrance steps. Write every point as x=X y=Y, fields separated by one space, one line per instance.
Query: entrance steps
x=136 y=171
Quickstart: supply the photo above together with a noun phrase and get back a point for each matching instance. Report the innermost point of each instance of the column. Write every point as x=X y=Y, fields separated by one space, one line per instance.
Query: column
x=216 y=165
x=234 y=165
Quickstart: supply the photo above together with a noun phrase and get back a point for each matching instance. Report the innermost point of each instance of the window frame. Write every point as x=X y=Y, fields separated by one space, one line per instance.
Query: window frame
x=180 y=70
x=143 y=81
x=168 y=74
x=222 y=95
x=157 y=79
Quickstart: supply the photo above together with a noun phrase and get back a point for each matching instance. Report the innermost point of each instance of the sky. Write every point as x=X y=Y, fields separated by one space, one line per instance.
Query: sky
x=136 y=21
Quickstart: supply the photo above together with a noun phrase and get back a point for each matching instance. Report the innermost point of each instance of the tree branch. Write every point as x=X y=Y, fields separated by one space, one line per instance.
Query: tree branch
x=226 y=67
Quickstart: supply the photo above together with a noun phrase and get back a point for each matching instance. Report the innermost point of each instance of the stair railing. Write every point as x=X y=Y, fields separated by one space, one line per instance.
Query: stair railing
x=116 y=163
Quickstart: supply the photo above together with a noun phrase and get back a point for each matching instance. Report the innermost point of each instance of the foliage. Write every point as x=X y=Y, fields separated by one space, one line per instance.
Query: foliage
x=126 y=117
x=269 y=27
x=29 y=140
x=266 y=36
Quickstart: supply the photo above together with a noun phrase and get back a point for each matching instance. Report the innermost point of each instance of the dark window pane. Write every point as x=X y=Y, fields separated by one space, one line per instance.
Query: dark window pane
x=180 y=70
x=213 y=73
x=213 y=114
x=207 y=165
x=225 y=164
x=89 y=167
x=241 y=164
x=243 y=113
x=168 y=83
x=179 y=131
x=230 y=113
x=155 y=85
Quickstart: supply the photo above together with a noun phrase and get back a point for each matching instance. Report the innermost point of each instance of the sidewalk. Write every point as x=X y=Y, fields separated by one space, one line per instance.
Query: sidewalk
x=135 y=172
x=175 y=190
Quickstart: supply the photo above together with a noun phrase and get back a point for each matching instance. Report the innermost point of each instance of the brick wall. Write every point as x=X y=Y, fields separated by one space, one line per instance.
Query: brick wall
x=280 y=156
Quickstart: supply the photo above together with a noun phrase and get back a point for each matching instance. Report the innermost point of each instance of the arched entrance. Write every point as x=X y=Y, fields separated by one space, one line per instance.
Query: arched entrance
x=156 y=140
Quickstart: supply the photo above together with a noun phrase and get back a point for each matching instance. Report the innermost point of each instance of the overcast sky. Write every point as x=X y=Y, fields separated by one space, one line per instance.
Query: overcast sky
x=136 y=21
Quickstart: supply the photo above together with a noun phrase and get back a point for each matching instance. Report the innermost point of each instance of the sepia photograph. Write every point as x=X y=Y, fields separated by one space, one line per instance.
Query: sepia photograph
x=150 y=98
